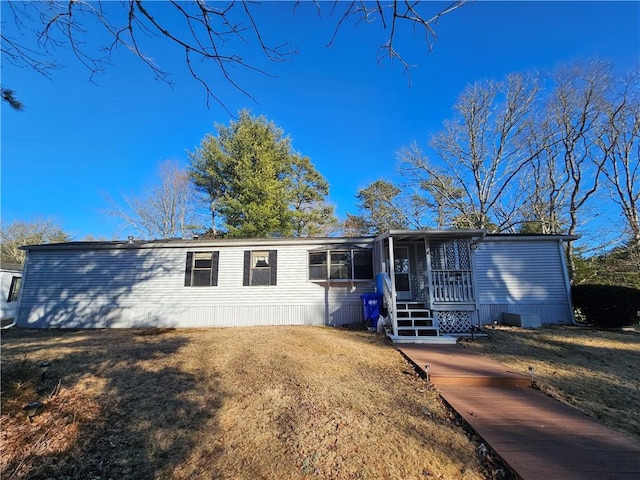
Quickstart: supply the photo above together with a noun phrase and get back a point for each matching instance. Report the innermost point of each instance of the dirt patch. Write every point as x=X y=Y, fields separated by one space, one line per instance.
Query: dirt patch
x=596 y=371
x=270 y=402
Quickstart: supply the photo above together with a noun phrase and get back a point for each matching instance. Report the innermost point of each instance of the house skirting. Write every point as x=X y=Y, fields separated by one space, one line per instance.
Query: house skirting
x=187 y=316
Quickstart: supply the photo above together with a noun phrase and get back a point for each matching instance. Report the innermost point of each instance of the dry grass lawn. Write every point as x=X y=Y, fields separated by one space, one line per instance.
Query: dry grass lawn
x=275 y=402
x=596 y=371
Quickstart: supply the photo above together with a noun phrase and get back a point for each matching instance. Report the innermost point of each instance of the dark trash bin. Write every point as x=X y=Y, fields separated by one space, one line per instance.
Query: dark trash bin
x=371 y=308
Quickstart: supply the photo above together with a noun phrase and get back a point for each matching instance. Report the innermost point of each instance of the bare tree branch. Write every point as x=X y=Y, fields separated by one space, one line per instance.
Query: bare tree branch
x=166 y=209
x=619 y=137
x=391 y=14
x=207 y=34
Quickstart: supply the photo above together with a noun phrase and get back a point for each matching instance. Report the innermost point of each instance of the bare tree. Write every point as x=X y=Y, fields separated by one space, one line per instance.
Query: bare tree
x=575 y=109
x=619 y=138
x=437 y=190
x=207 y=34
x=545 y=182
x=164 y=210
x=34 y=232
x=481 y=152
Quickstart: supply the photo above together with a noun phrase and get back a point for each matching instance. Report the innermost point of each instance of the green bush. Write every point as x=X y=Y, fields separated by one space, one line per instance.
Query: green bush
x=607 y=306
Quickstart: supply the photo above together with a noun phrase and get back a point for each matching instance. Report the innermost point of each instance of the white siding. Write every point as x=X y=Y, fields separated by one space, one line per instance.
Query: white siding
x=521 y=276
x=126 y=287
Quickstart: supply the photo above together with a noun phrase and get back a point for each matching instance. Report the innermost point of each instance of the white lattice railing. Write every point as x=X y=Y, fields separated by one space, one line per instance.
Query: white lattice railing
x=452 y=286
x=456 y=321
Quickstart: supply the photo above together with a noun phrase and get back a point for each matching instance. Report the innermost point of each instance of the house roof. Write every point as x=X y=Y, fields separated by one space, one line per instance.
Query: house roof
x=479 y=234
x=201 y=242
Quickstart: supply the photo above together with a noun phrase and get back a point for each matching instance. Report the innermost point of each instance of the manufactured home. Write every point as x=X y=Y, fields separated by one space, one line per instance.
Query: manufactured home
x=434 y=284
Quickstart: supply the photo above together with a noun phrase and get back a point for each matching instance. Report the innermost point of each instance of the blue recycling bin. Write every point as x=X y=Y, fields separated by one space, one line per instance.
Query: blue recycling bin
x=371 y=308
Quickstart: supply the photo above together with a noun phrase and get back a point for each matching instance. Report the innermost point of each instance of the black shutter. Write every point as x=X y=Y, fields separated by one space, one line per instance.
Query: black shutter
x=273 y=264
x=187 y=270
x=214 y=268
x=247 y=267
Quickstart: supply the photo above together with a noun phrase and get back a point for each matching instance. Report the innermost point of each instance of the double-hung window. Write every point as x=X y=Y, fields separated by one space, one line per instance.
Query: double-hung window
x=260 y=267
x=201 y=269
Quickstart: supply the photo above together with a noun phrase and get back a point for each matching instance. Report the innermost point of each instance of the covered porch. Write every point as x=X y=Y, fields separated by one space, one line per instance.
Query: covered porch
x=426 y=278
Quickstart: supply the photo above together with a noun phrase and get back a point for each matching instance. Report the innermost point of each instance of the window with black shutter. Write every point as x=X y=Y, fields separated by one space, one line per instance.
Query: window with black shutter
x=260 y=267
x=201 y=269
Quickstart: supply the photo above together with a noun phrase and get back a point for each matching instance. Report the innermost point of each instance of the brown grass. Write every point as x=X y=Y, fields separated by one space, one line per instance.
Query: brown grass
x=274 y=402
x=596 y=371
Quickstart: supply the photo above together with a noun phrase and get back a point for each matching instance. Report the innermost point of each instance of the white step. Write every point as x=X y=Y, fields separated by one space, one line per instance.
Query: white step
x=418 y=331
x=439 y=340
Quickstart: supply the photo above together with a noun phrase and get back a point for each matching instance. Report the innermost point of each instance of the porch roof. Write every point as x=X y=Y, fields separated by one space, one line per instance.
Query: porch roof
x=411 y=234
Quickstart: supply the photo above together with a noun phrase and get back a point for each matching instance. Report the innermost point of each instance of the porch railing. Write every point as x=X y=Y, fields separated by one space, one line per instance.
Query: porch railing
x=452 y=286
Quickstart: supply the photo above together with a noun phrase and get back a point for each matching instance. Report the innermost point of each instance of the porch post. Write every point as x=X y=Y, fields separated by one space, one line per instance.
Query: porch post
x=474 y=290
x=429 y=278
x=392 y=275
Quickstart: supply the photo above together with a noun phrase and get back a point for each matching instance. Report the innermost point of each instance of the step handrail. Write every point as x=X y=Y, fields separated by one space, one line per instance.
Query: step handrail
x=388 y=299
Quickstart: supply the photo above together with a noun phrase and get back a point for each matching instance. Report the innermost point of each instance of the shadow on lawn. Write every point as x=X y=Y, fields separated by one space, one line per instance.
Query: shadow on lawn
x=148 y=413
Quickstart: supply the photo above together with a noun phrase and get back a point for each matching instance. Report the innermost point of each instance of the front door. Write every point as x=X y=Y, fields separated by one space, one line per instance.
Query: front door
x=402 y=273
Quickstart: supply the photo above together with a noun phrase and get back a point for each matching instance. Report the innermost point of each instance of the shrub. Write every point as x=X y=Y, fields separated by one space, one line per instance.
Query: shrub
x=607 y=306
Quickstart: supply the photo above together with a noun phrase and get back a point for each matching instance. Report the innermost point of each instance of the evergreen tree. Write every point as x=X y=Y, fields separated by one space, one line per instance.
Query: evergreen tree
x=256 y=184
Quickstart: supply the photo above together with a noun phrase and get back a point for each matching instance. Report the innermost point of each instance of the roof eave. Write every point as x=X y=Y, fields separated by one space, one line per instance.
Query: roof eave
x=198 y=243
x=530 y=236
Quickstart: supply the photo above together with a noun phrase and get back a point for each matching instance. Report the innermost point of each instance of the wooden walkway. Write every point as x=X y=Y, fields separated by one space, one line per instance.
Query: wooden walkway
x=538 y=437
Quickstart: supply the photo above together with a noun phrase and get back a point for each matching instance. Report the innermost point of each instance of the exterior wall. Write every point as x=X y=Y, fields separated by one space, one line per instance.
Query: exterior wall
x=135 y=287
x=7 y=309
x=522 y=275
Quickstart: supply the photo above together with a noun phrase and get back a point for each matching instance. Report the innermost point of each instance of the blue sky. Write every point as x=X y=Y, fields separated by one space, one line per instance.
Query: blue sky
x=77 y=142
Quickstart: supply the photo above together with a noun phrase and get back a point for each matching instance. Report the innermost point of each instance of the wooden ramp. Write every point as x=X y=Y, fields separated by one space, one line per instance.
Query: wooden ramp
x=538 y=437
x=456 y=365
